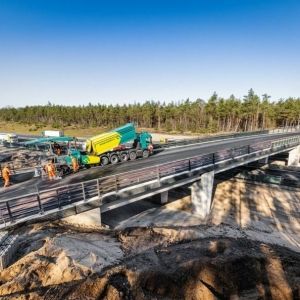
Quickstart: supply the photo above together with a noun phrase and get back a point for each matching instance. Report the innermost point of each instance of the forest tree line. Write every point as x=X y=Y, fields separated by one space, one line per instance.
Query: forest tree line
x=214 y=115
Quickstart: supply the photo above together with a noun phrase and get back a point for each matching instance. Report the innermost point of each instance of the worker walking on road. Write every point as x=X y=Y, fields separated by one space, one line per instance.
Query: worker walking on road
x=50 y=168
x=75 y=164
x=6 y=175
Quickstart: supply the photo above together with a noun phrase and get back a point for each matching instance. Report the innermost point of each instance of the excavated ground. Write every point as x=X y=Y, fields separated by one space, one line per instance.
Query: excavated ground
x=248 y=249
x=148 y=263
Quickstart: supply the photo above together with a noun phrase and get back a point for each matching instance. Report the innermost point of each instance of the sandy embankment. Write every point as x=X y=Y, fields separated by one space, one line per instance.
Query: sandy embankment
x=249 y=249
x=157 y=137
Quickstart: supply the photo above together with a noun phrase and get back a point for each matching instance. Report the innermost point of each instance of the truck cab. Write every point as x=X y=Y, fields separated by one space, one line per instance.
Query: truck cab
x=145 y=140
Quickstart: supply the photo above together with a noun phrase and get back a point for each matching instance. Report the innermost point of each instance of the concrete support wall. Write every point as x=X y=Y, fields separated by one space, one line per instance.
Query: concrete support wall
x=202 y=192
x=294 y=156
x=87 y=218
x=164 y=197
x=8 y=247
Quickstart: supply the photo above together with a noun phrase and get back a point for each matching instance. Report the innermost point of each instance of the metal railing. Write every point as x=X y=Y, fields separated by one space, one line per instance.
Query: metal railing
x=43 y=202
x=182 y=142
x=175 y=143
x=283 y=129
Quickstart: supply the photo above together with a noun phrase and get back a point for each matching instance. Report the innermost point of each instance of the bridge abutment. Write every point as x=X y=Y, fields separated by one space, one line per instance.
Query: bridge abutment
x=202 y=192
x=294 y=157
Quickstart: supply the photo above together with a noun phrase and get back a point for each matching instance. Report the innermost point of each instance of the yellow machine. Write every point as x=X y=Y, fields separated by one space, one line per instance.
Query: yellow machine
x=120 y=144
x=102 y=143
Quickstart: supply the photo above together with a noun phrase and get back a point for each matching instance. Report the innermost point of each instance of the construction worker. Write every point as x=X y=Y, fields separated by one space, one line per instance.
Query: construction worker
x=150 y=148
x=6 y=175
x=75 y=164
x=50 y=168
x=57 y=149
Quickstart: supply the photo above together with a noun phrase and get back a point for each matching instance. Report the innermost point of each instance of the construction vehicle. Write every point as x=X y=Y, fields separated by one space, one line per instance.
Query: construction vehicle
x=120 y=144
x=67 y=149
x=8 y=138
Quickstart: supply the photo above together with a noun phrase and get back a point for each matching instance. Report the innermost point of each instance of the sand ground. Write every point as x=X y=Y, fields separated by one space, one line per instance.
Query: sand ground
x=248 y=248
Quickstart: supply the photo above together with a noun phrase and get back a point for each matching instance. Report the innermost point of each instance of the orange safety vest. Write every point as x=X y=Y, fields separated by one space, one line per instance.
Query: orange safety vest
x=51 y=169
x=5 y=172
x=75 y=164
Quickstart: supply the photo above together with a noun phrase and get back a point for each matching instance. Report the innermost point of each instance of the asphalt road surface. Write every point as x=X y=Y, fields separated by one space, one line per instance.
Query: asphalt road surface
x=165 y=156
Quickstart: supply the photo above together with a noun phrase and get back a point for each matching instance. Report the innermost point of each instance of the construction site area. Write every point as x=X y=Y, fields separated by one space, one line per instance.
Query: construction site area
x=247 y=249
x=202 y=218
x=149 y=150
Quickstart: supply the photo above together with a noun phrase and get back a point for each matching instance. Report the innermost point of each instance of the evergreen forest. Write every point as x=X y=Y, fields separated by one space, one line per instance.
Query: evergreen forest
x=216 y=114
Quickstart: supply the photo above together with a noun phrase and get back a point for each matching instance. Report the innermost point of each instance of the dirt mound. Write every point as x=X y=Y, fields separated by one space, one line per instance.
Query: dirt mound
x=202 y=269
x=156 y=263
x=51 y=256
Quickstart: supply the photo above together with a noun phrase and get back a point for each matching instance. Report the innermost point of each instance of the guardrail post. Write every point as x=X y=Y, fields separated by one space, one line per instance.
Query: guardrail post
x=83 y=191
x=116 y=186
x=116 y=183
x=2 y=217
x=157 y=175
x=190 y=165
x=9 y=212
x=99 y=188
x=58 y=200
x=40 y=203
x=69 y=194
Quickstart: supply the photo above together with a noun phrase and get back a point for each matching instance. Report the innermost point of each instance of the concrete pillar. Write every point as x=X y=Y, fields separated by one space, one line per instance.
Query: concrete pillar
x=294 y=156
x=202 y=194
x=87 y=218
x=164 y=197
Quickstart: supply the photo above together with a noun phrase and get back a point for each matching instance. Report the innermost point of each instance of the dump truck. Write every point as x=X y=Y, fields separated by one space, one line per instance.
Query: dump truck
x=120 y=144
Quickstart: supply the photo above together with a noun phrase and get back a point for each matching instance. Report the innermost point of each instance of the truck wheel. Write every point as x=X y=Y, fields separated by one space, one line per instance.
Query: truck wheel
x=132 y=155
x=124 y=156
x=67 y=171
x=63 y=171
x=146 y=154
x=114 y=159
x=104 y=160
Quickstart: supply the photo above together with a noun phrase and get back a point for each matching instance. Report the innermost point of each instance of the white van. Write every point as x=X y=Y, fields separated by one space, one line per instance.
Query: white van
x=53 y=133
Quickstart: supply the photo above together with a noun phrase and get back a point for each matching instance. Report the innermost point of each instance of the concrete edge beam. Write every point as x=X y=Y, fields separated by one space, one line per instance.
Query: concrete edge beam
x=8 y=248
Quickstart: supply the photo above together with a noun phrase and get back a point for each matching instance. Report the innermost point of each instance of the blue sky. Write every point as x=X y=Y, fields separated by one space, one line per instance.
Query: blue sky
x=76 y=52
